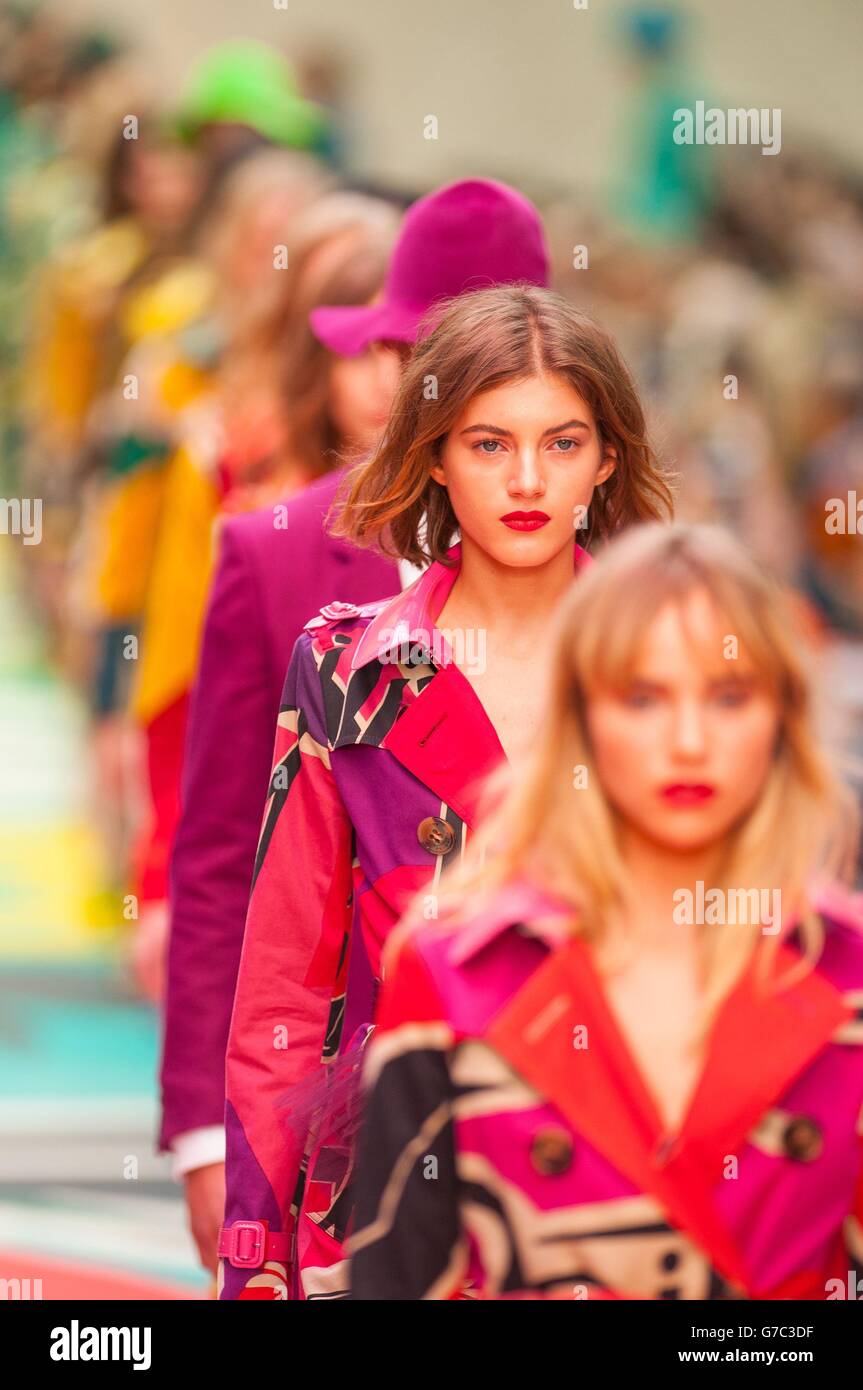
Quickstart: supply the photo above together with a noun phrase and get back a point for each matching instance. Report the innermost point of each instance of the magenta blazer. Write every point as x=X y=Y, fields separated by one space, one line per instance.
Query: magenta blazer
x=267 y=582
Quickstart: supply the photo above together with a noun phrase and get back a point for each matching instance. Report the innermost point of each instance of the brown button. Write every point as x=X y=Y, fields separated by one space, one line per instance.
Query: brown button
x=802 y=1139
x=551 y=1151
x=436 y=835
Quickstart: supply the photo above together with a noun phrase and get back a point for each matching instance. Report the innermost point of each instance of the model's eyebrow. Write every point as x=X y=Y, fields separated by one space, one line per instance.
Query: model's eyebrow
x=732 y=678
x=507 y=434
x=567 y=425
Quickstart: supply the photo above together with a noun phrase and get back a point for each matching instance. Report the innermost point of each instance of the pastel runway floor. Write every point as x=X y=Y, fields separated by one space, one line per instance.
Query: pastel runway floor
x=86 y=1207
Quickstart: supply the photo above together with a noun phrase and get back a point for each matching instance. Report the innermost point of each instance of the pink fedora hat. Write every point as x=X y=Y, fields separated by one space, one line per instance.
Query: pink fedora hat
x=468 y=236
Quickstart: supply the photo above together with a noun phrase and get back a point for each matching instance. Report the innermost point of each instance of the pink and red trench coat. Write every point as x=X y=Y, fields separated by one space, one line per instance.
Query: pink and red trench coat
x=381 y=751
x=503 y=1156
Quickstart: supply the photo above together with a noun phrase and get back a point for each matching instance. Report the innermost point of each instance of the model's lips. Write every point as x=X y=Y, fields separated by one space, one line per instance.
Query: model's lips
x=525 y=521
x=688 y=793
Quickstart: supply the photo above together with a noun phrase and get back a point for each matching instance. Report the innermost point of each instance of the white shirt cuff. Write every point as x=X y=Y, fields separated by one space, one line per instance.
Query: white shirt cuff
x=196 y=1148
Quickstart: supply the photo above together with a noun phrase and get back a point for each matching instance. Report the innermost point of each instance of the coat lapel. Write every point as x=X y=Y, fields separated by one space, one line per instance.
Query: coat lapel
x=599 y=1088
x=446 y=739
x=761 y=1040
x=444 y=736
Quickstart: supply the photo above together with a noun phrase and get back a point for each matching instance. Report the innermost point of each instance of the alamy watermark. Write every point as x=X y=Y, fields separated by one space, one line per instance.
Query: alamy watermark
x=844 y=515
x=20 y=1290
x=21 y=516
x=850 y=1288
x=718 y=907
x=465 y=646
x=77 y=1343
x=710 y=125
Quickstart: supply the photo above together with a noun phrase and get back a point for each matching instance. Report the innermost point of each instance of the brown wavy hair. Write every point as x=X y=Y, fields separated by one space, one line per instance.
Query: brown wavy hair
x=480 y=341
x=342 y=249
x=339 y=246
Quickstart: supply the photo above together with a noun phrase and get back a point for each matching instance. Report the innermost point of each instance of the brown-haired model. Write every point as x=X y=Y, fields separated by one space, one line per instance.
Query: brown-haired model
x=482 y=342
x=517 y=423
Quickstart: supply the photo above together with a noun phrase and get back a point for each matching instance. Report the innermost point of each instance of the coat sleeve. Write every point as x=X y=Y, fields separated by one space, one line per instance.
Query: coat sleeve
x=296 y=930
x=228 y=754
x=407 y=1242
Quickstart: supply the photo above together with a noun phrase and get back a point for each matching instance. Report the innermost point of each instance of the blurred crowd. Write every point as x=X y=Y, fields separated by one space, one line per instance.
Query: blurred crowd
x=157 y=369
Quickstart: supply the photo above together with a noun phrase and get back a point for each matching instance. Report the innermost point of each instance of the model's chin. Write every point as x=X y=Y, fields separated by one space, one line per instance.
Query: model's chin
x=686 y=832
x=522 y=549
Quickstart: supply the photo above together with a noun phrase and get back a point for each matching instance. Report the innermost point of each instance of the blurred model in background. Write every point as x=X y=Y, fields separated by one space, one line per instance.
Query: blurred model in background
x=280 y=413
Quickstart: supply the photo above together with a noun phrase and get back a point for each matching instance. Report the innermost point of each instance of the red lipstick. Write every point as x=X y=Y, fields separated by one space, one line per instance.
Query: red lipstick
x=525 y=521
x=688 y=793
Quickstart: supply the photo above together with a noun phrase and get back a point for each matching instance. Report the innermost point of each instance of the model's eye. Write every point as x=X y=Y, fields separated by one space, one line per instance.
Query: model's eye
x=732 y=695
x=488 y=446
x=565 y=446
x=640 y=696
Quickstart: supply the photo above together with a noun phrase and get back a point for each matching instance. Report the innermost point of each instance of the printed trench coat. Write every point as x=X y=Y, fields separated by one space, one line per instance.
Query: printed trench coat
x=497 y=1069
x=381 y=750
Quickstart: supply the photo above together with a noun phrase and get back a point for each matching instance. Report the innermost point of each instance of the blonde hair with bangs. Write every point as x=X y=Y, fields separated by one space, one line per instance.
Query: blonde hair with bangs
x=538 y=827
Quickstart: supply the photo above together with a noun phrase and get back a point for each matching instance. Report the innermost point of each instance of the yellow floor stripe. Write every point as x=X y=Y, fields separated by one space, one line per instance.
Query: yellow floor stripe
x=49 y=899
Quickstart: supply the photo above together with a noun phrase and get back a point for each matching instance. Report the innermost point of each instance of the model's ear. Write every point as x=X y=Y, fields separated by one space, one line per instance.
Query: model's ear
x=437 y=472
x=608 y=465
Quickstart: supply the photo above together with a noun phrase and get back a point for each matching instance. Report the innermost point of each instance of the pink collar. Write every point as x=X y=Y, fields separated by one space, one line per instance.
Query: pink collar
x=410 y=616
x=549 y=918
x=521 y=902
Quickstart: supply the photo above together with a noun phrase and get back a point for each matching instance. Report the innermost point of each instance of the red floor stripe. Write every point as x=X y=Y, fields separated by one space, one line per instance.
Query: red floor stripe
x=87 y=1282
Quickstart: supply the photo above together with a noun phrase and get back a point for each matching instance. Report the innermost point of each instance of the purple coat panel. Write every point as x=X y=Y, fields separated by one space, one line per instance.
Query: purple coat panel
x=268 y=581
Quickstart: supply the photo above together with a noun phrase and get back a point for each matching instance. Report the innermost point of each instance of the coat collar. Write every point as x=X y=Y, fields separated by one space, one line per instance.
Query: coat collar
x=443 y=736
x=410 y=616
x=522 y=902
x=537 y=912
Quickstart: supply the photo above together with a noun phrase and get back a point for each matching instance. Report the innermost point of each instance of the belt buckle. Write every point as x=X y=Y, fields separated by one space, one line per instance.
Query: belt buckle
x=256 y=1234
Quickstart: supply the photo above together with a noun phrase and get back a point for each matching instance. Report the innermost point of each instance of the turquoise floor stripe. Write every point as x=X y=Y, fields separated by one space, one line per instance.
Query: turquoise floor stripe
x=61 y=1048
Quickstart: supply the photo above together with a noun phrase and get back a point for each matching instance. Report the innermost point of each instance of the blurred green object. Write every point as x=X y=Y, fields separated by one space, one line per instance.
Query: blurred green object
x=92 y=49
x=243 y=82
x=652 y=29
x=661 y=190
